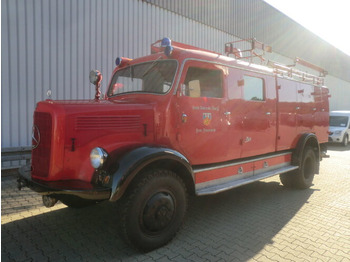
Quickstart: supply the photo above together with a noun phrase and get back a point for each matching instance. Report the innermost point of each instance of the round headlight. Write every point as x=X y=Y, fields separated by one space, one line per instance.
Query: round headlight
x=98 y=157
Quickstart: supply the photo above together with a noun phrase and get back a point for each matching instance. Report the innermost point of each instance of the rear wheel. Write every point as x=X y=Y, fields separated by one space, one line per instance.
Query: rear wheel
x=302 y=177
x=287 y=179
x=153 y=209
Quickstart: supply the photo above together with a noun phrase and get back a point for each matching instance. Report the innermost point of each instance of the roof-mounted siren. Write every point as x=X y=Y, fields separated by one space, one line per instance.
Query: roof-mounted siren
x=247 y=49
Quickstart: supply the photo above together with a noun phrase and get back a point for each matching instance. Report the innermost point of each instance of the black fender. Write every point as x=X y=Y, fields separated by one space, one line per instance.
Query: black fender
x=134 y=161
x=307 y=139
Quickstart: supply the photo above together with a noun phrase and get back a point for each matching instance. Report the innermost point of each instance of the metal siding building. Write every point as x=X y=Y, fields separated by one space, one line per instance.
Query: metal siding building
x=53 y=45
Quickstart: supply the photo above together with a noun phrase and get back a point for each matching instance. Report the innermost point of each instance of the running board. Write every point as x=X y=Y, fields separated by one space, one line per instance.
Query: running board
x=243 y=181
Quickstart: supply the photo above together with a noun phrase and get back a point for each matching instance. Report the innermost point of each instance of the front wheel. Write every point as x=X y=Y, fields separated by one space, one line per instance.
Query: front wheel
x=153 y=209
x=302 y=177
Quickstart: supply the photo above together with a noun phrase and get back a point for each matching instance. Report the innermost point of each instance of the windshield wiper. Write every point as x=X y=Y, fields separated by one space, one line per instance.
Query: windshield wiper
x=155 y=62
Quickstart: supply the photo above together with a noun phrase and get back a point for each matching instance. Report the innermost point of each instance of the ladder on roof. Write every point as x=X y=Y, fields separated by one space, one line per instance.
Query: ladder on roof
x=294 y=73
x=251 y=48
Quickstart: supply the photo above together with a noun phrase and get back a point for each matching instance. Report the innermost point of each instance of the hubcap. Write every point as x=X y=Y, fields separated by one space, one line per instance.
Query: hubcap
x=158 y=212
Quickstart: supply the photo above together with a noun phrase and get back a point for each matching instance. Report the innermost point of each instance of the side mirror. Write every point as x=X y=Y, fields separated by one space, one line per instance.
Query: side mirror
x=95 y=79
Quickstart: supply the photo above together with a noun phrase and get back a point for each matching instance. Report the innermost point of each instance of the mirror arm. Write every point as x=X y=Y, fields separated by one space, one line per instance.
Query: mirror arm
x=98 y=89
x=95 y=79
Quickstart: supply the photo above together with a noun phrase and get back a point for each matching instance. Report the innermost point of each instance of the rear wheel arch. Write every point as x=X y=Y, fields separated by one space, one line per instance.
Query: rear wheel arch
x=307 y=157
x=307 y=140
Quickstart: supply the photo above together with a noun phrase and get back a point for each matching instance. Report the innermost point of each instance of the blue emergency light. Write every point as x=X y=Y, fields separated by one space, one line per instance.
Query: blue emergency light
x=166 y=42
x=122 y=61
x=118 y=61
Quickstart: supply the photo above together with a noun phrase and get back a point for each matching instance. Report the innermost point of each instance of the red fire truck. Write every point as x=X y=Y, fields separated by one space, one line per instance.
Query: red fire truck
x=181 y=121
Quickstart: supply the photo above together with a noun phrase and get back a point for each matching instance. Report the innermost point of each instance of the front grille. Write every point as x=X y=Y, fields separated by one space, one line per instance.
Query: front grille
x=41 y=152
x=114 y=123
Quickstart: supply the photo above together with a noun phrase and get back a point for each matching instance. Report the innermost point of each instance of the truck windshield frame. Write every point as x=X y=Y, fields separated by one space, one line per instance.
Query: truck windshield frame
x=153 y=77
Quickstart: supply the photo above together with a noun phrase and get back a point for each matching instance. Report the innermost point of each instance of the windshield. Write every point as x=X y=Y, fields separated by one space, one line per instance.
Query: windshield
x=152 y=77
x=341 y=121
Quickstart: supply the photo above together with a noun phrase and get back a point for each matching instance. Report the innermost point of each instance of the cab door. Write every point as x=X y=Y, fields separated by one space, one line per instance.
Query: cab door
x=202 y=128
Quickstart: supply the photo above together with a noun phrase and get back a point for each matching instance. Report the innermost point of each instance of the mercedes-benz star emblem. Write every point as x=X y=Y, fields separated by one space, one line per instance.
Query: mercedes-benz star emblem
x=35 y=137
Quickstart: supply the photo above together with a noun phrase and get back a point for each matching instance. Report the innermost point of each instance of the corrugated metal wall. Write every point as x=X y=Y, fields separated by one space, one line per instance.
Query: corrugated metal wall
x=53 y=45
x=256 y=18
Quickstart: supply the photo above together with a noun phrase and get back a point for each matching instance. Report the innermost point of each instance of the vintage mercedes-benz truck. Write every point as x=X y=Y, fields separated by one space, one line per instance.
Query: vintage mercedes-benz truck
x=181 y=121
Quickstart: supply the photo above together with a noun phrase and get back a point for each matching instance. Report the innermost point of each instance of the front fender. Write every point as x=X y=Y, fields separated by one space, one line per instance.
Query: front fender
x=130 y=164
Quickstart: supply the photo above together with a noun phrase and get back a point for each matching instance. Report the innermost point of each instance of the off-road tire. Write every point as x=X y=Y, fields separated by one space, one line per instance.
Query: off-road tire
x=287 y=179
x=302 y=177
x=152 y=209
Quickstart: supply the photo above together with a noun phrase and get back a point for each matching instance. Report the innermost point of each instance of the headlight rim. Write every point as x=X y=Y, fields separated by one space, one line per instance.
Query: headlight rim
x=98 y=157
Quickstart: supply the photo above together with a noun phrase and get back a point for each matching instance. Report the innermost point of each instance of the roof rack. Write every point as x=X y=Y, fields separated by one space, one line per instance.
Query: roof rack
x=251 y=48
x=292 y=72
x=302 y=62
x=247 y=49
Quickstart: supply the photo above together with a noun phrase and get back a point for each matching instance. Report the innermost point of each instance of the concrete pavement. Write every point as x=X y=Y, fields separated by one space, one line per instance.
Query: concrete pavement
x=262 y=221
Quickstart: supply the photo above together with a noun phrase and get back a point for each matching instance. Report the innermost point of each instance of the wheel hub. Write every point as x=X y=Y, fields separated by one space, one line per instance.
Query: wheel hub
x=158 y=212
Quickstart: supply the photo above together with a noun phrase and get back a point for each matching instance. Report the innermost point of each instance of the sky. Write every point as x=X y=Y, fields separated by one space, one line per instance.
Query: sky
x=329 y=19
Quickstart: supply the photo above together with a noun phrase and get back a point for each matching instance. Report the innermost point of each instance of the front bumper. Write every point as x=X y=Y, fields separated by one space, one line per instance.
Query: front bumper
x=335 y=139
x=77 y=188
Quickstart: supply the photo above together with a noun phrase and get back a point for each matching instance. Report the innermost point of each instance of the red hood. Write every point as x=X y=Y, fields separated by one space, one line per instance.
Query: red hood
x=80 y=125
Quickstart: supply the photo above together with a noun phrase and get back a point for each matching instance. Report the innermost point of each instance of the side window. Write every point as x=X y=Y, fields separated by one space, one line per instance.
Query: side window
x=202 y=82
x=253 y=89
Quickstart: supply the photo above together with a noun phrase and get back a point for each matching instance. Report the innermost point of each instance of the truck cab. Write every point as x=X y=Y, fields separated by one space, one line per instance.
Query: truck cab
x=180 y=121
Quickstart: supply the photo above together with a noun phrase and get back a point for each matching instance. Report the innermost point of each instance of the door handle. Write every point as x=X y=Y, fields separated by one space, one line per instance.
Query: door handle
x=227 y=113
x=268 y=113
